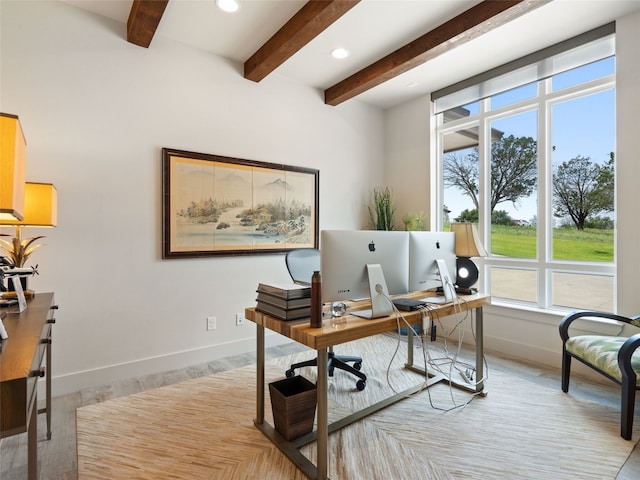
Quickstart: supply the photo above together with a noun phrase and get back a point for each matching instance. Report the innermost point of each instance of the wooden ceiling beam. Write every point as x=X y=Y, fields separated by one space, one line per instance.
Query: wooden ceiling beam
x=311 y=20
x=144 y=18
x=478 y=20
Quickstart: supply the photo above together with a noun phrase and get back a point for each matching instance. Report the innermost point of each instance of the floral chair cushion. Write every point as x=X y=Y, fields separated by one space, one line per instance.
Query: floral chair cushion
x=602 y=352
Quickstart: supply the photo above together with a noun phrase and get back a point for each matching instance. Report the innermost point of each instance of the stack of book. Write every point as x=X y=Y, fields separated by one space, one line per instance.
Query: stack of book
x=286 y=302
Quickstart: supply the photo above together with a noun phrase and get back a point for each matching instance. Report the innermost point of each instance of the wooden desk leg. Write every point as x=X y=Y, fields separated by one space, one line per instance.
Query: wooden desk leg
x=259 y=374
x=323 y=418
x=32 y=442
x=479 y=350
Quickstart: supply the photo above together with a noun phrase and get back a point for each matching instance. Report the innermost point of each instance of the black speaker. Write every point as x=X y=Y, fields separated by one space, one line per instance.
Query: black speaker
x=467 y=272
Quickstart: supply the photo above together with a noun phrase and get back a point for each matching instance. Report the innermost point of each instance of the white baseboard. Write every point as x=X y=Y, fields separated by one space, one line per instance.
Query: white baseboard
x=522 y=351
x=73 y=382
x=536 y=354
x=531 y=354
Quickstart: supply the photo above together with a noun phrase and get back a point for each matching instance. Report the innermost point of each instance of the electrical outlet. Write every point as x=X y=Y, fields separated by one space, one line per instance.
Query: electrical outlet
x=211 y=323
x=239 y=319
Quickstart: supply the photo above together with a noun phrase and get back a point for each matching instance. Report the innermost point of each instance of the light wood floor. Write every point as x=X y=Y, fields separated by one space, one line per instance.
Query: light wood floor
x=58 y=456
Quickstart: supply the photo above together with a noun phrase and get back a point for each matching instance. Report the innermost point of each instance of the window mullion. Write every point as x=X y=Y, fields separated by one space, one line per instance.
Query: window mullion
x=484 y=200
x=545 y=194
x=484 y=178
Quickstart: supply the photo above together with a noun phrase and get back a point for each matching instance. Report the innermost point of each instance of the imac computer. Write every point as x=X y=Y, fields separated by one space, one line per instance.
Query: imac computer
x=432 y=263
x=358 y=264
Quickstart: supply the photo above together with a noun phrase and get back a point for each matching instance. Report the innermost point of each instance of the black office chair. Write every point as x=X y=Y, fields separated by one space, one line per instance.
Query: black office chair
x=301 y=264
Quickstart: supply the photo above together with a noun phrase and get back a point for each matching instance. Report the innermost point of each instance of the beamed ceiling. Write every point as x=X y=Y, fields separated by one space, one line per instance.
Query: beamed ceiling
x=395 y=44
x=315 y=16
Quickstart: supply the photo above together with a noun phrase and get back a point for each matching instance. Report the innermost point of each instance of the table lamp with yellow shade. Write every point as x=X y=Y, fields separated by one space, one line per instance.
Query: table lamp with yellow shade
x=12 y=168
x=40 y=210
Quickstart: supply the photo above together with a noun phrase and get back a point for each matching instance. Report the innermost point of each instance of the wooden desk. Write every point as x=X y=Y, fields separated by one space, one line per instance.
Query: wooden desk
x=21 y=364
x=321 y=339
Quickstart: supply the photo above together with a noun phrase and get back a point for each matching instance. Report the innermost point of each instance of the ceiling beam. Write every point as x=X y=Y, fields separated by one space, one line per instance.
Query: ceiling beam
x=478 y=20
x=144 y=18
x=311 y=20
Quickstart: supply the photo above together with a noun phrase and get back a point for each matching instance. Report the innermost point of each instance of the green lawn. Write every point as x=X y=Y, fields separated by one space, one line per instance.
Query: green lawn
x=568 y=243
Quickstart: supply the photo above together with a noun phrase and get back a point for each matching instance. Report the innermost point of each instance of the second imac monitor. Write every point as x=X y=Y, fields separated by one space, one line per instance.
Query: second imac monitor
x=425 y=248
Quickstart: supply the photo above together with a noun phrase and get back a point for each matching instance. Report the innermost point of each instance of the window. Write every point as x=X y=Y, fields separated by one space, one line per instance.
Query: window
x=534 y=166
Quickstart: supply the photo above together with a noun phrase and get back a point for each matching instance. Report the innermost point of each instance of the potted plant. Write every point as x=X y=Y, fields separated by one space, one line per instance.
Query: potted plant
x=413 y=221
x=383 y=209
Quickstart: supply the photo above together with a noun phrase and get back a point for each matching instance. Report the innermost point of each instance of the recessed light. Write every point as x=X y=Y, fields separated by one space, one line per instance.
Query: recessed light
x=228 y=5
x=412 y=85
x=339 y=53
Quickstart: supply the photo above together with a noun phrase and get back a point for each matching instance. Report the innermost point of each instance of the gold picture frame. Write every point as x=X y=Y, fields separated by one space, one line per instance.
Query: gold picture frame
x=216 y=205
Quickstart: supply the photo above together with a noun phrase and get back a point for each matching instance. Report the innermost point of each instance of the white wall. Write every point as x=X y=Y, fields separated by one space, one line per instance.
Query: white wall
x=533 y=334
x=407 y=167
x=96 y=112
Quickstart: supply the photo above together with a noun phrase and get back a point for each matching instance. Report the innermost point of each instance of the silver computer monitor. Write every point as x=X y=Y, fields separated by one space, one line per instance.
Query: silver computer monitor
x=424 y=249
x=345 y=254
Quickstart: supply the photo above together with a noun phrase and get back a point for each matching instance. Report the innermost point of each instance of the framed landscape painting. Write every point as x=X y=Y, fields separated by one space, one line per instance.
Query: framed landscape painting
x=215 y=205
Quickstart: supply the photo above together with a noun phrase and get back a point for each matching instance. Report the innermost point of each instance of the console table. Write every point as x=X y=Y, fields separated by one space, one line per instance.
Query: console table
x=21 y=364
x=321 y=339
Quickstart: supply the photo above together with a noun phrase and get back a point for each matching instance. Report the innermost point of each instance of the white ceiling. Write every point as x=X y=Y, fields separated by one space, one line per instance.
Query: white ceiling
x=370 y=30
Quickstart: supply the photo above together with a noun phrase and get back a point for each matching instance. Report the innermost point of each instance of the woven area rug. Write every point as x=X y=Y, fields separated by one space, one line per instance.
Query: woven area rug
x=203 y=429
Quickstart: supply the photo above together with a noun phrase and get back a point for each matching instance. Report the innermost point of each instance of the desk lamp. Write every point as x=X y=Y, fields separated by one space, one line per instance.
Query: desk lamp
x=467 y=245
x=40 y=210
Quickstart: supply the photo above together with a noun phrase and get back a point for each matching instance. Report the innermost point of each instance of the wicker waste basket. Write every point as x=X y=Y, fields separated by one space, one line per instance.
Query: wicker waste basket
x=293 y=402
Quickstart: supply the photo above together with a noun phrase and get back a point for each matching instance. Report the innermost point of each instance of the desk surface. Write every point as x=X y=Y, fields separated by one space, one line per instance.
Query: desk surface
x=354 y=327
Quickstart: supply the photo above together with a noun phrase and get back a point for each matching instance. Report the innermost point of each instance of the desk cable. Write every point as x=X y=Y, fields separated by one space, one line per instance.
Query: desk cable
x=465 y=370
x=430 y=314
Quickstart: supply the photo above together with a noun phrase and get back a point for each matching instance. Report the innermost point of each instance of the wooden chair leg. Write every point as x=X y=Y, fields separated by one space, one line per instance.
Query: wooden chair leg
x=627 y=410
